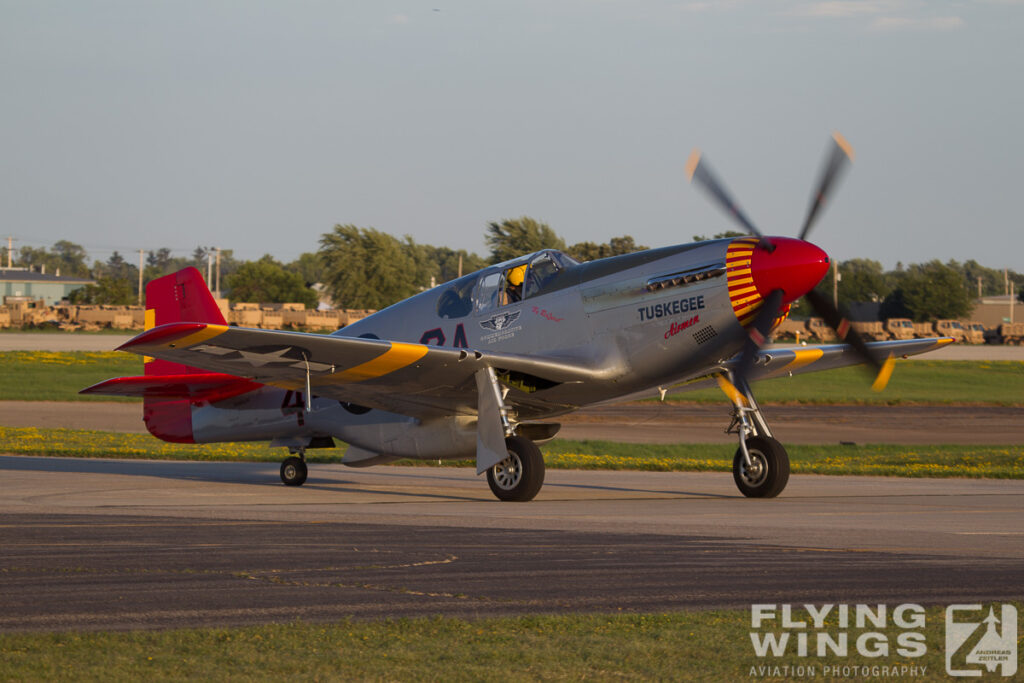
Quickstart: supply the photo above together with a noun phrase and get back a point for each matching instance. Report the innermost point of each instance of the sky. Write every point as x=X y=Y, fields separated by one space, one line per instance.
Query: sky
x=257 y=126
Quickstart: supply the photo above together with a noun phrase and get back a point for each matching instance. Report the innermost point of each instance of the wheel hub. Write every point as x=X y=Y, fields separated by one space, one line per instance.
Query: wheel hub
x=508 y=472
x=755 y=473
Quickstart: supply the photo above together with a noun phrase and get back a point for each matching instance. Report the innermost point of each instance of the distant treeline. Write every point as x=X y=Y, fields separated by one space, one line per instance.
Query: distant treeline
x=366 y=268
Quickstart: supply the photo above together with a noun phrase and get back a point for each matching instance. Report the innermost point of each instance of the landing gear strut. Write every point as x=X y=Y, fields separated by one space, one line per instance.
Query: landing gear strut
x=761 y=465
x=293 y=470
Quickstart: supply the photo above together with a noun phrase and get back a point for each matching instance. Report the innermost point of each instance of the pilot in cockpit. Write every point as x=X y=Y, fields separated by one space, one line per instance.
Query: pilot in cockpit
x=514 y=285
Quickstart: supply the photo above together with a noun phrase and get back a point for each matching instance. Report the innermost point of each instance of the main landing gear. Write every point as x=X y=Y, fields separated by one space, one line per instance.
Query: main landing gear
x=519 y=476
x=761 y=465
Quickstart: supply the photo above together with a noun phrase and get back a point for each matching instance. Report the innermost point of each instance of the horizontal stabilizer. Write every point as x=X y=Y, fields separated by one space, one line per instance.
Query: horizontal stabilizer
x=212 y=386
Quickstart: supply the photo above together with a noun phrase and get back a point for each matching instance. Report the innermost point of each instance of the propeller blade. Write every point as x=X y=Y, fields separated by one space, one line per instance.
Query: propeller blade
x=844 y=330
x=730 y=390
x=757 y=333
x=698 y=171
x=839 y=158
x=882 y=379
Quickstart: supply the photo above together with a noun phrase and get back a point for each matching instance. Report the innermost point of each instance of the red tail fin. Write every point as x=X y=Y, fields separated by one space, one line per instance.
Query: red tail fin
x=176 y=298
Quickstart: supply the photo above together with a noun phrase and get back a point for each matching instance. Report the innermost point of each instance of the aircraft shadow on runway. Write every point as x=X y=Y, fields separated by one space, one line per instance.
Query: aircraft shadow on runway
x=266 y=474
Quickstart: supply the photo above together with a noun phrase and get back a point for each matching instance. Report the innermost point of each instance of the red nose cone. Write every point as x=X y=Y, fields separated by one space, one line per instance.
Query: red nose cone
x=794 y=266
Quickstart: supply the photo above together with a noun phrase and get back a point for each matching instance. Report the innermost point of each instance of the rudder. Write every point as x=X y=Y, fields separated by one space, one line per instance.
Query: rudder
x=179 y=297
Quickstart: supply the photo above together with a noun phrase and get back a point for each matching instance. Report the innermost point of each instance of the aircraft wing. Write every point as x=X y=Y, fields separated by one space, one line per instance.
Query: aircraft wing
x=412 y=379
x=796 y=360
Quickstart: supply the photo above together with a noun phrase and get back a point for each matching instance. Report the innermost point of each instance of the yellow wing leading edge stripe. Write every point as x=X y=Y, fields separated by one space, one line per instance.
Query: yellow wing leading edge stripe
x=397 y=357
x=198 y=337
x=803 y=357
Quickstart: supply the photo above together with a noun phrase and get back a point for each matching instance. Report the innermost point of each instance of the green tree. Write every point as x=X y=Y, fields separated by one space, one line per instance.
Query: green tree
x=199 y=257
x=66 y=256
x=991 y=279
x=162 y=262
x=366 y=268
x=267 y=281
x=860 y=280
x=424 y=268
x=309 y=266
x=719 y=236
x=119 y=269
x=72 y=258
x=107 y=291
x=159 y=260
x=929 y=291
x=616 y=246
x=514 y=237
x=448 y=262
x=35 y=258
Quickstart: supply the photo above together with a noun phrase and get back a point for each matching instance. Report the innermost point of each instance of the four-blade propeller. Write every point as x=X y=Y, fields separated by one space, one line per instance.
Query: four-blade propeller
x=838 y=158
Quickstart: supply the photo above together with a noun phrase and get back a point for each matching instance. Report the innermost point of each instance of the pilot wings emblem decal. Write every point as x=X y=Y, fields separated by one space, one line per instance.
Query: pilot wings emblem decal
x=499 y=321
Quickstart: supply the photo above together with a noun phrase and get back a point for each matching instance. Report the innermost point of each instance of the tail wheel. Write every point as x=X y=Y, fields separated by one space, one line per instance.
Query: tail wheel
x=768 y=471
x=293 y=471
x=519 y=476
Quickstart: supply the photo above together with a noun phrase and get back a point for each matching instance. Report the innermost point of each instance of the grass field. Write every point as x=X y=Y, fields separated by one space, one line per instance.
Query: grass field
x=687 y=646
x=52 y=376
x=58 y=376
x=997 y=462
x=913 y=382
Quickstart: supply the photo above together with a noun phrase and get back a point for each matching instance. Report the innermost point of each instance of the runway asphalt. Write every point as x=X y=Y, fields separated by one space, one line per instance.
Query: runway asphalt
x=116 y=544
x=112 y=544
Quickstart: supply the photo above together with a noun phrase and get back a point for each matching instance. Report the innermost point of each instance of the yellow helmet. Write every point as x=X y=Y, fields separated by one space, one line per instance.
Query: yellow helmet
x=516 y=275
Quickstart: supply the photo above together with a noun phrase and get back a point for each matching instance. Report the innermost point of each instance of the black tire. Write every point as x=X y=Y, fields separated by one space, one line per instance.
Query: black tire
x=769 y=472
x=519 y=476
x=293 y=471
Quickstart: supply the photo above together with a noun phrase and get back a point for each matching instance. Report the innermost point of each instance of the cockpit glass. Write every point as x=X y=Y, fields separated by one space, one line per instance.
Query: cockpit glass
x=519 y=280
x=456 y=301
x=544 y=267
x=488 y=291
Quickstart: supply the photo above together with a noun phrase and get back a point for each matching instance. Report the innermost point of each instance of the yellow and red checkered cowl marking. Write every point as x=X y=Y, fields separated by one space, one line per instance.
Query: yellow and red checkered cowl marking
x=742 y=292
x=745 y=299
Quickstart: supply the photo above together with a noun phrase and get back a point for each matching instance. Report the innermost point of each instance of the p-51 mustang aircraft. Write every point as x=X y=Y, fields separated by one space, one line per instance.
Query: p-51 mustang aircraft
x=482 y=365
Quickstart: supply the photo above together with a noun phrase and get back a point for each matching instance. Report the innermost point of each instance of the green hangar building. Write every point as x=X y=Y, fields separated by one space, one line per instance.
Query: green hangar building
x=17 y=284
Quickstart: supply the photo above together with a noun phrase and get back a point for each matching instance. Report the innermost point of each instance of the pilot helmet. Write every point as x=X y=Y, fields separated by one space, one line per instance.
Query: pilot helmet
x=516 y=275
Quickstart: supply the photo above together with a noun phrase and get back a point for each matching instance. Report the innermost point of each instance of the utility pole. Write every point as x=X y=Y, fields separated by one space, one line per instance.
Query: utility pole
x=460 y=265
x=836 y=277
x=1012 y=297
x=979 y=286
x=209 y=268
x=1006 y=281
x=10 y=252
x=141 y=252
x=218 y=273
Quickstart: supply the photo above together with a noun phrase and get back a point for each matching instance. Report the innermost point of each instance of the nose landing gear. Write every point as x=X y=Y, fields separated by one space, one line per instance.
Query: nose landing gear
x=761 y=465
